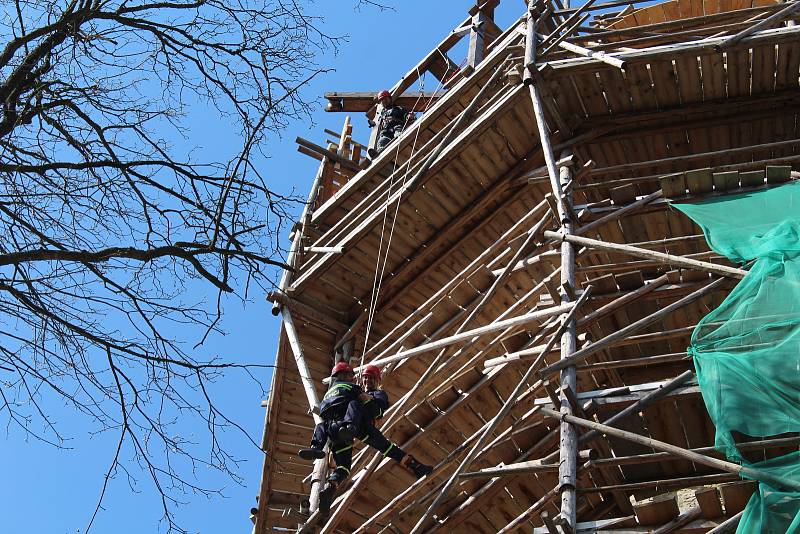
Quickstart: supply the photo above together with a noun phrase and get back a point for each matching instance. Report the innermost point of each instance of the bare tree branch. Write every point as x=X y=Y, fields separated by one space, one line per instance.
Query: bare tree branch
x=111 y=218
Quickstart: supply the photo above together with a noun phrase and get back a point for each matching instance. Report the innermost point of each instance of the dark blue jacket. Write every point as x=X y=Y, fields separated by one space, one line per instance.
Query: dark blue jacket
x=376 y=407
x=334 y=403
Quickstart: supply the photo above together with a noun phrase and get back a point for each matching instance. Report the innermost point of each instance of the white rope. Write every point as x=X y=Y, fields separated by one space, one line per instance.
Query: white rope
x=380 y=269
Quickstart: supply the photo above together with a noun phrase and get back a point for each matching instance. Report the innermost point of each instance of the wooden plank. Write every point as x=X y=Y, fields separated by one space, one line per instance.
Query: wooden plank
x=725 y=181
x=752 y=178
x=591 y=95
x=710 y=505
x=777 y=174
x=665 y=85
x=786 y=76
x=616 y=91
x=699 y=181
x=763 y=69
x=738 y=73
x=643 y=96
x=659 y=510
x=689 y=82
x=735 y=495
x=673 y=185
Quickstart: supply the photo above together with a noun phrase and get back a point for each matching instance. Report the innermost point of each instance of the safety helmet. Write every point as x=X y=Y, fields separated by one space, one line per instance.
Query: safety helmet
x=341 y=367
x=372 y=370
x=383 y=94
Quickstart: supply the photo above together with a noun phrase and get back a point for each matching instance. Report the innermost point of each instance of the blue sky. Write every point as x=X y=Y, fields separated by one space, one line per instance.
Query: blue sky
x=51 y=491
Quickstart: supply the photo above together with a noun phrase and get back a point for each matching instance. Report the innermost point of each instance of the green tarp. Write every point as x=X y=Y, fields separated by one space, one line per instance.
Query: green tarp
x=747 y=351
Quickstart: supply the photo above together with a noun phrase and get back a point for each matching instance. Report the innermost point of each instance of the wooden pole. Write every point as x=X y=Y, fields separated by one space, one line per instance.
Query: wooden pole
x=670 y=259
x=636 y=407
x=546 y=463
x=618 y=213
x=559 y=39
x=775 y=481
x=682 y=520
x=769 y=21
x=568 y=443
x=624 y=300
x=594 y=54
x=321 y=465
x=667 y=484
x=728 y=526
x=490 y=427
x=566 y=23
x=477 y=45
x=630 y=329
x=465 y=273
x=486 y=329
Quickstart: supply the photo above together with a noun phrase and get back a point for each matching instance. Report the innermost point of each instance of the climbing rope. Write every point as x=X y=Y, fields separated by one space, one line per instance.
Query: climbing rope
x=380 y=267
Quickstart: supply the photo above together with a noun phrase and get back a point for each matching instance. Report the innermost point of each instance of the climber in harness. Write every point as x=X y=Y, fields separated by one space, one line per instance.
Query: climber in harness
x=347 y=411
x=391 y=121
x=375 y=405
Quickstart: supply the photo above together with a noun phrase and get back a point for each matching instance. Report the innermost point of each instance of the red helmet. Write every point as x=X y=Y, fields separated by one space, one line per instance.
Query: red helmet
x=383 y=94
x=372 y=370
x=341 y=367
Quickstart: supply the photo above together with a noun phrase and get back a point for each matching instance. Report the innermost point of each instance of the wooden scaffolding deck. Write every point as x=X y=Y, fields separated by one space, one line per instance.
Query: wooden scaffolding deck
x=482 y=213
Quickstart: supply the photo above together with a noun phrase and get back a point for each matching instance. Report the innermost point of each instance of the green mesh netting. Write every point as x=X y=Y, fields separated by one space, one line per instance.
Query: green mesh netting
x=747 y=351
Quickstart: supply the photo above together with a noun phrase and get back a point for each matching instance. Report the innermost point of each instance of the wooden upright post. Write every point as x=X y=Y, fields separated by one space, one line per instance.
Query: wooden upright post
x=477 y=45
x=568 y=462
x=320 y=466
x=568 y=447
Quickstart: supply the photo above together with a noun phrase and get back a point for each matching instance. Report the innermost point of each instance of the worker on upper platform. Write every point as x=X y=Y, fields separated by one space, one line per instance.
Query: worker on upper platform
x=392 y=120
x=348 y=411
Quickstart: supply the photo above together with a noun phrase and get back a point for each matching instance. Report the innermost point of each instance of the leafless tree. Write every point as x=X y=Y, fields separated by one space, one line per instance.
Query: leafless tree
x=108 y=223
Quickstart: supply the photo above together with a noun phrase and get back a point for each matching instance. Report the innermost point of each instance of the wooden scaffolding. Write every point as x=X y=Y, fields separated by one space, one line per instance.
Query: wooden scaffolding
x=513 y=264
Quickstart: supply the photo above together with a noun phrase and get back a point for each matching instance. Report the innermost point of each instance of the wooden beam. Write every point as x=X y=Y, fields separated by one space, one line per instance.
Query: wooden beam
x=684 y=160
x=631 y=328
x=492 y=327
x=773 y=480
x=728 y=526
x=320 y=466
x=569 y=22
x=591 y=318
x=669 y=51
x=669 y=259
x=344 y=101
x=682 y=520
x=767 y=22
x=613 y=216
x=330 y=154
x=477 y=41
x=668 y=484
x=509 y=403
x=540 y=465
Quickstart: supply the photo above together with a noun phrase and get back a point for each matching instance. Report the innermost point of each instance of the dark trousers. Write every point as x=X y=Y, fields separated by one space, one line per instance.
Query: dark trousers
x=387 y=136
x=365 y=431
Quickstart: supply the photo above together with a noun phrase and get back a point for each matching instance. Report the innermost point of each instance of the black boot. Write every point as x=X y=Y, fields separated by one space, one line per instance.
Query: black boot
x=326 y=497
x=314 y=452
x=419 y=469
x=372 y=153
